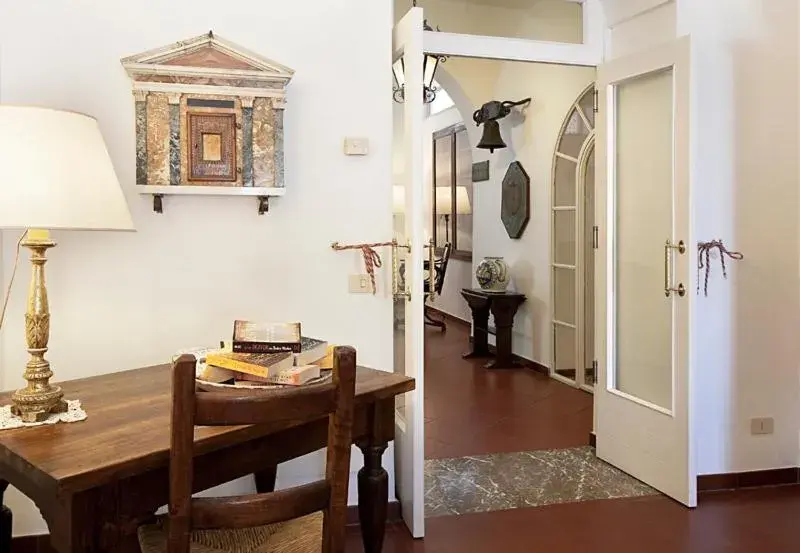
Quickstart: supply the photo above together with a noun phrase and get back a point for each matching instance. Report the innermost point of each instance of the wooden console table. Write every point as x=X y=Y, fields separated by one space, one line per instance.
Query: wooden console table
x=96 y=481
x=503 y=306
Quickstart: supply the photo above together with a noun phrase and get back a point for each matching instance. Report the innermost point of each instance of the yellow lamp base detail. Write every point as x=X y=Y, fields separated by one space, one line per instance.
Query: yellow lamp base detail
x=39 y=398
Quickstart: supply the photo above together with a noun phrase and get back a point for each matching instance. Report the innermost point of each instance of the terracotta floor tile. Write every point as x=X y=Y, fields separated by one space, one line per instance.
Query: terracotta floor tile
x=471 y=410
x=747 y=521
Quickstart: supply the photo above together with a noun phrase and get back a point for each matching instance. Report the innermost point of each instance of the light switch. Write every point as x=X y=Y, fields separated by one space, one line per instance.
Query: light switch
x=360 y=284
x=356 y=146
x=764 y=425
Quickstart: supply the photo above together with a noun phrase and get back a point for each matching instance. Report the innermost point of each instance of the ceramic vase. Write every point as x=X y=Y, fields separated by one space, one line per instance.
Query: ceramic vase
x=493 y=274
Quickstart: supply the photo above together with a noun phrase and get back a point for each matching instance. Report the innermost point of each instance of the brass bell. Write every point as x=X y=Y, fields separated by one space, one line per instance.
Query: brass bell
x=491 y=139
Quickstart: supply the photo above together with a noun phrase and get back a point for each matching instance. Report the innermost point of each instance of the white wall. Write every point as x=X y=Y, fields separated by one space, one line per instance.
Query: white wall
x=746 y=192
x=644 y=30
x=744 y=349
x=125 y=300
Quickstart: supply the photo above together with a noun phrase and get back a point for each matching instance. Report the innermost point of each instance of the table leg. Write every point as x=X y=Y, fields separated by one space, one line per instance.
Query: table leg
x=99 y=520
x=265 y=480
x=5 y=520
x=480 y=326
x=373 y=496
x=503 y=311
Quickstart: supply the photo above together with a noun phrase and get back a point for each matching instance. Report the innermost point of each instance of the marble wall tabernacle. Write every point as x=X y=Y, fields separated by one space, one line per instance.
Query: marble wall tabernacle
x=208 y=113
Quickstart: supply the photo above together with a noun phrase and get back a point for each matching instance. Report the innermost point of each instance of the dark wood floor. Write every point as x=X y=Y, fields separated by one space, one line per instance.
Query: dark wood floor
x=749 y=521
x=470 y=410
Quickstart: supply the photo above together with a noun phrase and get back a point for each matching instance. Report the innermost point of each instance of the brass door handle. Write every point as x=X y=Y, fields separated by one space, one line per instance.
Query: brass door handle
x=668 y=288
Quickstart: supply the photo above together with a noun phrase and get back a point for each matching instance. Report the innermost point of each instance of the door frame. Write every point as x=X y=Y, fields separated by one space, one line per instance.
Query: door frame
x=589 y=53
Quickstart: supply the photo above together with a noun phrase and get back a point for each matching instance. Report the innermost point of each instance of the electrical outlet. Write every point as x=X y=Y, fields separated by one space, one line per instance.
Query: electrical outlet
x=760 y=426
x=360 y=284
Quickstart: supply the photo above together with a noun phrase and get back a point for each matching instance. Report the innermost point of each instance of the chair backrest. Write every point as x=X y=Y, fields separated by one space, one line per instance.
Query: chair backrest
x=441 y=268
x=190 y=407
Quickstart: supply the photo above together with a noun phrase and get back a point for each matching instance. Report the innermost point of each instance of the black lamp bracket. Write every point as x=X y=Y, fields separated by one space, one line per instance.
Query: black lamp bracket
x=495 y=110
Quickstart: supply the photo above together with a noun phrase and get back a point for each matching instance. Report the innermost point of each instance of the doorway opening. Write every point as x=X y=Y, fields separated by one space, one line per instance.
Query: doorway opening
x=471 y=390
x=479 y=420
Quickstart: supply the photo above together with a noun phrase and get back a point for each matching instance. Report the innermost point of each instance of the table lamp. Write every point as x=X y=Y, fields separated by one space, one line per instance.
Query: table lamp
x=444 y=204
x=56 y=174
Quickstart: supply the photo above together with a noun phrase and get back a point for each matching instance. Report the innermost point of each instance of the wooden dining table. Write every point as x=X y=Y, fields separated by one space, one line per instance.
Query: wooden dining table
x=97 y=480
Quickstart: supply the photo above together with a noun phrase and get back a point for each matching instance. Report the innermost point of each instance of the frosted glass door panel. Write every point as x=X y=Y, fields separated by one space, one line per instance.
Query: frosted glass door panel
x=643 y=192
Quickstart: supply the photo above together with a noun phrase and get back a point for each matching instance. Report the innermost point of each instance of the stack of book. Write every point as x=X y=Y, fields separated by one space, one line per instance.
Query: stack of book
x=265 y=354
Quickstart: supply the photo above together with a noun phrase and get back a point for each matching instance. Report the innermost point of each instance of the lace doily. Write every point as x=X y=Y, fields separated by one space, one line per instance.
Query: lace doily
x=75 y=413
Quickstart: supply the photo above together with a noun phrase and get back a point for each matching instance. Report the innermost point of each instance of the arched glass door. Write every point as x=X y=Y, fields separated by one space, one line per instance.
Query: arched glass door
x=572 y=258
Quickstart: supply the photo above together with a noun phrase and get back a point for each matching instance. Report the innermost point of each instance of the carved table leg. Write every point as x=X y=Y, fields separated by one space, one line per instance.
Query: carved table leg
x=373 y=496
x=265 y=480
x=5 y=520
x=504 y=308
x=480 y=325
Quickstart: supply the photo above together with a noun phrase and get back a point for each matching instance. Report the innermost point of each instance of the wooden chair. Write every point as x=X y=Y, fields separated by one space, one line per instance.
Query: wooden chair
x=436 y=280
x=305 y=518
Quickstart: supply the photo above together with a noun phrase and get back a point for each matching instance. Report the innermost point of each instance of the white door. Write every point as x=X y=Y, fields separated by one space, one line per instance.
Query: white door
x=643 y=419
x=409 y=321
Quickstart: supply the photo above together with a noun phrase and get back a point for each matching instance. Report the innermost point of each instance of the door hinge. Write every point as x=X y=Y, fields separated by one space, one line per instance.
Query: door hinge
x=594 y=370
x=596 y=101
x=595 y=237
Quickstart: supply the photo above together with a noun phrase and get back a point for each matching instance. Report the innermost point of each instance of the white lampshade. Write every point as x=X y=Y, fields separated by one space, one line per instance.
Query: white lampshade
x=444 y=200
x=55 y=172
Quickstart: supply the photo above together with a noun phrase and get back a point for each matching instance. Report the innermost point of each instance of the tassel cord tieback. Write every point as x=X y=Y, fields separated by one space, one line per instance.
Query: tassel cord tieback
x=704 y=250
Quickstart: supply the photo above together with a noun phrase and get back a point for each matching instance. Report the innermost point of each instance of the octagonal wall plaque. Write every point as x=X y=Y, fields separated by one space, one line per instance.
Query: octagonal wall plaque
x=515 y=210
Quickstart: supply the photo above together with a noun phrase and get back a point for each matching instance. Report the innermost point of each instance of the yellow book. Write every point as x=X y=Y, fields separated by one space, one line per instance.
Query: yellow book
x=327 y=361
x=214 y=374
x=257 y=364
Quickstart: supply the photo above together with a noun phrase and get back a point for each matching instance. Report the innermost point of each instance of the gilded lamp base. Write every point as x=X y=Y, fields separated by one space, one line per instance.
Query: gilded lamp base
x=39 y=398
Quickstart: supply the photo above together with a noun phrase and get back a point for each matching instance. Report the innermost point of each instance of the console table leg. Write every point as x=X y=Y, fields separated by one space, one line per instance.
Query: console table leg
x=504 y=308
x=479 y=306
x=373 y=497
x=504 y=357
x=5 y=520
